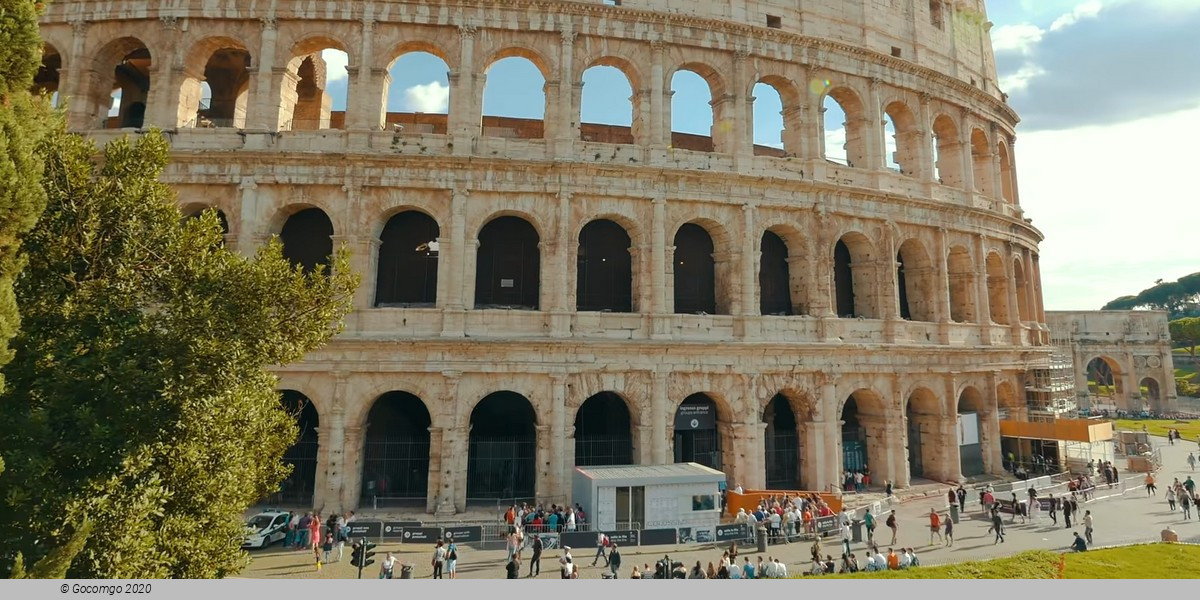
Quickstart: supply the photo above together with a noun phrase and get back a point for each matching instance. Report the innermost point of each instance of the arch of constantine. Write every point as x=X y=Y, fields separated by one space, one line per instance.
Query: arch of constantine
x=540 y=294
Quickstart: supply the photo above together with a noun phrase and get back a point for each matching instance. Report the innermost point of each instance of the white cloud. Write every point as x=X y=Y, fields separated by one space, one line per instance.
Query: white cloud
x=1086 y=10
x=835 y=145
x=335 y=64
x=1019 y=38
x=1019 y=81
x=432 y=97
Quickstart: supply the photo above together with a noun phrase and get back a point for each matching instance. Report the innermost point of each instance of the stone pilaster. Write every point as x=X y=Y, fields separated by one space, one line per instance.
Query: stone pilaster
x=262 y=113
x=660 y=412
x=437 y=459
x=660 y=103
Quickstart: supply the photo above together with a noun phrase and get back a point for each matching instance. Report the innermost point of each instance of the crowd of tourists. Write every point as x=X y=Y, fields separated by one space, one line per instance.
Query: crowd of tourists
x=539 y=519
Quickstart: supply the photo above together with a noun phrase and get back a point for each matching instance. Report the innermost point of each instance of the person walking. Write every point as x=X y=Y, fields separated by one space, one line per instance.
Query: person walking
x=387 y=567
x=949 y=531
x=891 y=524
x=1185 y=502
x=1087 y=525
x=1053 y=510
x=1066 y=508
x=869 y=521
x=1150 y=487
x=1191 y=460
x=1171 y=498
x=614 y=560
x=601 y=543
x=962 y=499
x=846 y=534
x=935 y=526
x=998 y=526
x=535 y=561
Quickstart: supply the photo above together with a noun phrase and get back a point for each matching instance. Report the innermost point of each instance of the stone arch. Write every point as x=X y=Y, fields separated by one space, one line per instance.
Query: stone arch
x=546 y=66
x=508 y=264
x=1105 y=383
x=1007 y=173
x=395 y=464
x=853 y=137
x=604 y=268
x=701 y=268
x=924 y=438
x=307 y=238
x=977 y=433
x=854 y=277
x=961 y=275
x=789 y=120
x=774 y=278
x=124 y=68
x=604 y=426
x=907 y=143
x=517 y=124
x=305 y=104
x=1022 y=286
x=421 y=118
x=703 y=432
x=864 y=435
x=915 y=280
x=1153 y=391
x=47 y=79
x=407 y=266
x=997 y=286
x=1010 y=403
x=215 y=86
x=948 y=162
x=502 y=453
x=193 y=210
x=299 y=488
x=981 y=162
x=797 y=256
x=716 y=140
x=412 y=44
x=616 y=131
x=788 y=416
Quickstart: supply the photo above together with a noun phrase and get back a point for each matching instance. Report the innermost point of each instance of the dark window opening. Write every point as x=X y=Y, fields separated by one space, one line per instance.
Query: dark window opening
x=695 y=271
x=854 y=439
x=774 y=22
x=307 y=238
x=604 y=268
x=773 y=277
x=507 y=272
x=501 y=461
x=408 y=261
x=300 y=484
x=395 y=467
x=896 y=51
x=603 y=432
x=936 y=16
x=701 y=444
x=227 y=75
x=781 y=442
x=902 y=285
x=843 y=279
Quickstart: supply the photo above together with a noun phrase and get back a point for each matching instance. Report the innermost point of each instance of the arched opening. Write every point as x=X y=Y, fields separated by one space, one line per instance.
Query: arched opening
x=603 y=431
x=971 y=433
x=1150 y=390
x=925 y=444
x=1010 y=405
x=123 y=89
x=695 y=271
x=1104 y=385
x=514 y=99
x=46 y=81
x=507 y=271
x=604 y=268
x=853 y=278
x=417 y=97
x=307 y=238
x=301 y=482
x=781 y=443
x=768 y=121
x=502 y=458
x=774 y=280
x=1007 y=178
x=607 y=110
x=901 y=139
x=699 y=429
x=395 y=467
x=864 y=443
x=844 y=128
x=194 y=212
x=219 y=97
x=1022 y=284
x=997 y=285
x=408 y=261
x=316 y=87
x=962 y=285
x=947 y=152
x=981 y=162
x=694 y=118
x=915 y=279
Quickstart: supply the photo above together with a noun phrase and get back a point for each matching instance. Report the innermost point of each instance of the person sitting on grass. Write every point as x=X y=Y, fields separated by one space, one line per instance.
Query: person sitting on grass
x=1079 y=545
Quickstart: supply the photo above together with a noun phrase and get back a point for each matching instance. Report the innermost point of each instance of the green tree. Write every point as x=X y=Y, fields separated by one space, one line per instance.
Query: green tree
x=1186 y=333
x=1179 y=298
x=22 y=122
x=139 y=398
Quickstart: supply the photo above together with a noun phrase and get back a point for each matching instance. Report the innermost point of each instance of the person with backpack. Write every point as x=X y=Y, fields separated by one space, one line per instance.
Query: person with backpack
x=535 y=561
x=891 y=524
x=869 y=521
x=614 y=561
x=452 y=559
x=601 y=544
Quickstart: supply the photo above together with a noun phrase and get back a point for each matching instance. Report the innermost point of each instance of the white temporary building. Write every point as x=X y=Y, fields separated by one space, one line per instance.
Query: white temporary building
x=683 y=495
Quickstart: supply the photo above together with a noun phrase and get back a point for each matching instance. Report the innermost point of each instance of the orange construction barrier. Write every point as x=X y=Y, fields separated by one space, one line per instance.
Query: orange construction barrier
x=749 y=499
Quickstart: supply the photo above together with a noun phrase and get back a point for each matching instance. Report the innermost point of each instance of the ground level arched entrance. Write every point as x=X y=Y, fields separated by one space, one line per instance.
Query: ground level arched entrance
x=502 y=454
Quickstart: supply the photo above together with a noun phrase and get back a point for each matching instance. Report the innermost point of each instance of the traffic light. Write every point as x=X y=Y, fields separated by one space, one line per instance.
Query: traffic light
x=369 y=551
x=357 y=555
x=361 y=556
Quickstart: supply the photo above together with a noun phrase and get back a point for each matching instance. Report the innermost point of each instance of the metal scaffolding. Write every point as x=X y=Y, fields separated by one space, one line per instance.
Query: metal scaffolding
x=1050 y=392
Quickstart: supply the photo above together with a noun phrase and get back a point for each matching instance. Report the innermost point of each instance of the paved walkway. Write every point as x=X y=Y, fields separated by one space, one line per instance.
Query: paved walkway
x=1127 y=518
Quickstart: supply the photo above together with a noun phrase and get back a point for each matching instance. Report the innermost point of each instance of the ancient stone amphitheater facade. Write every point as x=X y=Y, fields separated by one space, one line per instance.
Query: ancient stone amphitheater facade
x=597 y=294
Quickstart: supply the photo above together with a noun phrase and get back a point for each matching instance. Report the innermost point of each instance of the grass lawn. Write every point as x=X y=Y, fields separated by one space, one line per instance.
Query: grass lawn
x=1188 y=429
x=1150 y=561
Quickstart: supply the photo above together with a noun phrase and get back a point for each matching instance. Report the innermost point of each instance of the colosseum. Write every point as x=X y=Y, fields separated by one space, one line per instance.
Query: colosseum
x=610 y=294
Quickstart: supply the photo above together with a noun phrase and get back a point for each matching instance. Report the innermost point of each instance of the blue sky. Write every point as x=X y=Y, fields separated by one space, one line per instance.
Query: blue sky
x=1108 y=92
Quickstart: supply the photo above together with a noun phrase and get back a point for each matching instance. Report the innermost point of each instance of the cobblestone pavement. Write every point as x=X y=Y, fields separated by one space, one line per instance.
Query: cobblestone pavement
x=1119 y=519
